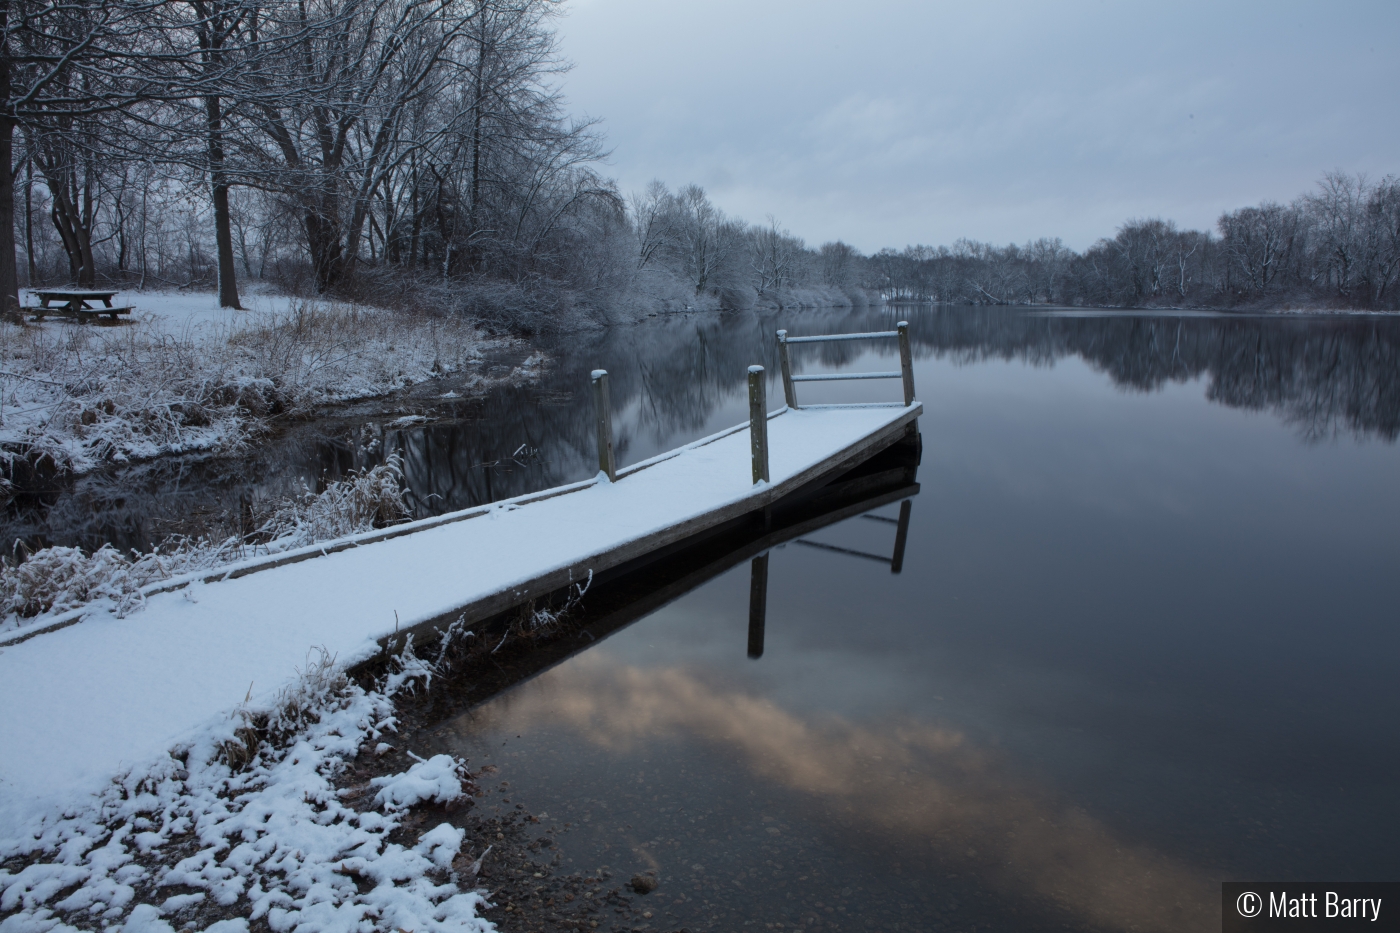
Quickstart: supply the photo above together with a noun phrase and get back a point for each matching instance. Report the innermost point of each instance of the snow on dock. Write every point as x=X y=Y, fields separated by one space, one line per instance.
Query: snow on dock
x=82 y=703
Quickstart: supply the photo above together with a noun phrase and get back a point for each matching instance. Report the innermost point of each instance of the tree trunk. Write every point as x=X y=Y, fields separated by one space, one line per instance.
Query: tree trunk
x=29 y=223
x=417 y=228
x=478 y=103
x=323 y=242
x=9 y=271
x=65 y=204
x=223 y=224
x=63 y=224
x=211 y=45
x=87 y=278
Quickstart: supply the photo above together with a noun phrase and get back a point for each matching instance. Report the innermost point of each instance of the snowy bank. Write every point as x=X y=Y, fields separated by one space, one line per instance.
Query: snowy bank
x=245 y=824
x=184 y=376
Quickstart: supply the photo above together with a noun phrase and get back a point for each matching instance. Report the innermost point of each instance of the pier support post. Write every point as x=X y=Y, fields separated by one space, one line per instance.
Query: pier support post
x=789 y=390
x=906 y=362
x=602 y=409
x=758 y=423
x=758 y=604
x=901 y=536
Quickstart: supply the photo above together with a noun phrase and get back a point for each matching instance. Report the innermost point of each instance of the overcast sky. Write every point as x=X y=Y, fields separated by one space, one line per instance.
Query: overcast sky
x=891 y=122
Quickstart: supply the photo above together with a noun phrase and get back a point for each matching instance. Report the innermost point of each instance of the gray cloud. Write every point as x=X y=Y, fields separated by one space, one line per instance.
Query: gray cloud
x=897 y=121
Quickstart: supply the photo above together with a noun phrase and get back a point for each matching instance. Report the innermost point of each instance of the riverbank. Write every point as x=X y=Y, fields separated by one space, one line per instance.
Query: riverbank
x=307 y=814
x=245 y=824
x=183 y=375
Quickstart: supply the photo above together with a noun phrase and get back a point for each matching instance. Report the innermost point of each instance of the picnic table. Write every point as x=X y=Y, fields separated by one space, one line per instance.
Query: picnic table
x=79 y=304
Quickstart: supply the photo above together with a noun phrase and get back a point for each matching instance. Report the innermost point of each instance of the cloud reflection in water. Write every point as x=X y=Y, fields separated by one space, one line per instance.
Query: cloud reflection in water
x=906 y=781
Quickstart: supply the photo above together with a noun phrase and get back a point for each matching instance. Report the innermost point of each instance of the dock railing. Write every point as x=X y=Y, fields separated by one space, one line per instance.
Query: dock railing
x=758 y=425
x=758 y=402
x=602 y=410
x=906 y=361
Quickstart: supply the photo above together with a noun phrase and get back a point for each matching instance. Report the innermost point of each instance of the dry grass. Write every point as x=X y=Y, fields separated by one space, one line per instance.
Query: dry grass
x=364 y=500
x=57 y=579
x=319 y=686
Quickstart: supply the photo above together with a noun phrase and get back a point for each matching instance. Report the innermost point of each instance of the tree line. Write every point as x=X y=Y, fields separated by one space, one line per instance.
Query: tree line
x=403 y=150
x=1337 y=246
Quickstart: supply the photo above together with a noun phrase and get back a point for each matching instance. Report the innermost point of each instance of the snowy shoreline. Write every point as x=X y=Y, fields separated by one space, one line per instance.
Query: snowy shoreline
x=246 y=823
x=185 y=376
x=328 y=827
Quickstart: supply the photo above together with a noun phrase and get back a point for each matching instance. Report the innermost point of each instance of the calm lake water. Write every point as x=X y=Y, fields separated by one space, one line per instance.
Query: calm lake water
x=1143 y=640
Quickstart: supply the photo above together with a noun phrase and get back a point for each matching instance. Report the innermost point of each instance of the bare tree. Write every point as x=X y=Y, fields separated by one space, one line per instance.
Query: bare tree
x=328 y=91
x=1383 y=233
x=838 y=264
x=1259 y=241
x=654 y=217
x=218 y=25
x=705 y=235
x=774 y=256
x=64 y=66
x=1047 y=260
x=1337 y=213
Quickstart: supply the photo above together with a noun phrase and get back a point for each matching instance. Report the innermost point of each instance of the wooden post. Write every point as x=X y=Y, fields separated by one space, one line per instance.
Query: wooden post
x=758 y=423
x=602 y=410
x=789 y=390
x=901 y=537
x=906 y=362
x=758 y=604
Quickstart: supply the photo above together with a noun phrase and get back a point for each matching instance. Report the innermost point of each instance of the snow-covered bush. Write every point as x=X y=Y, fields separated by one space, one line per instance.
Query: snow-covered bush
x=60 y=578
x=57 y=579
x=364 y=500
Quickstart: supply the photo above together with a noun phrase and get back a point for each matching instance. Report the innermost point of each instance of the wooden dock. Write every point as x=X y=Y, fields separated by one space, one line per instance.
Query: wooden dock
x=633 y=591
x=129 y=689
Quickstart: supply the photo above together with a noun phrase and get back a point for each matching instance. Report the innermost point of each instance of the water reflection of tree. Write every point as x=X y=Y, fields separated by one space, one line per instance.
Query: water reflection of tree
x=1328 y=378
x=670 y=377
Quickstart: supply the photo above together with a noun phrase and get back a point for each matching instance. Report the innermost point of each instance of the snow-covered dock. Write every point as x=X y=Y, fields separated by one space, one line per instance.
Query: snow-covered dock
x=82 y=703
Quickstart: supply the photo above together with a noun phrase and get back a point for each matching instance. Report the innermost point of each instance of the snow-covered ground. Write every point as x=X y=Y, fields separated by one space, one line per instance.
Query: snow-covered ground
x=183 y=375
x=239 y=820
x=235 y=826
